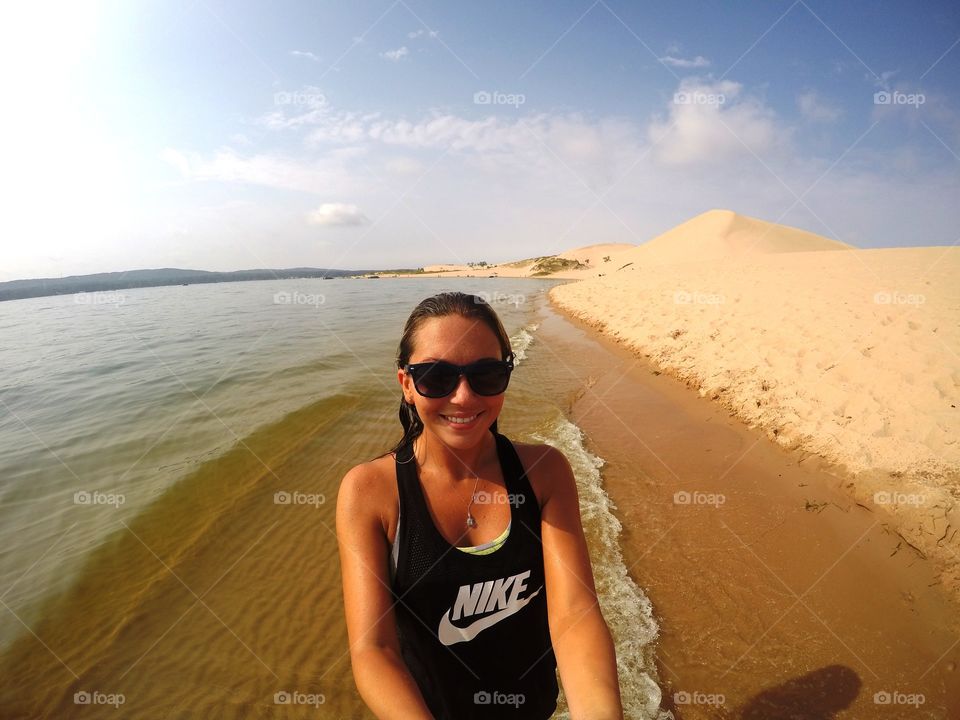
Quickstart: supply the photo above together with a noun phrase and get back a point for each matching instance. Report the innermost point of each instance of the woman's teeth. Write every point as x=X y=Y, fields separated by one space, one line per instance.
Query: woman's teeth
x=459 y=421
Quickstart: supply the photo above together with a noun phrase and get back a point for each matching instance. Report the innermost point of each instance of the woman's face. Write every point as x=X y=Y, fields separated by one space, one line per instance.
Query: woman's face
x=461 y=341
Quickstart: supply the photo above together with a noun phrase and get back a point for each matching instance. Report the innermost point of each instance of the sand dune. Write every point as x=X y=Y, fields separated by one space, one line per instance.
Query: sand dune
x=717 y=235
x=851 y=355
x=725 y=235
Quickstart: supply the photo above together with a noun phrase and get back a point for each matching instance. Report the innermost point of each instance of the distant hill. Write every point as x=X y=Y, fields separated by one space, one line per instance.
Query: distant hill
x=39 y=287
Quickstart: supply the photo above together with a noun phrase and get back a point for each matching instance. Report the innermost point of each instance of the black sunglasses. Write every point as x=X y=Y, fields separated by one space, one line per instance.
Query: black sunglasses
x=437 y=378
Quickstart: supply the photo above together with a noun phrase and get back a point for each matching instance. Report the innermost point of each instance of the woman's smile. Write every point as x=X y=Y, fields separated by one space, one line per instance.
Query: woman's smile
x=462 y=421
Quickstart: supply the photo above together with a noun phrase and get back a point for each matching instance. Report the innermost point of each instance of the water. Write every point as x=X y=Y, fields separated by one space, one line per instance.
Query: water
x=144 y=436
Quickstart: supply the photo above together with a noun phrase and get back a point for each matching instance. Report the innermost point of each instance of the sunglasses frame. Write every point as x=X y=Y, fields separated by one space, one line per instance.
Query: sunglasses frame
x=462 y=370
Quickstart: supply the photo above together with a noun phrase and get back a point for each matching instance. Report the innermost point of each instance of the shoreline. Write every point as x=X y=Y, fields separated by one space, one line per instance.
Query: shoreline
x=787 y=585
x=822 y=352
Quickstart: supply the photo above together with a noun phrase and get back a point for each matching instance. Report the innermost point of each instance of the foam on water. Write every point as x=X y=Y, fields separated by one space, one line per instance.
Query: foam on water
x=521 y=340
x=625 y=607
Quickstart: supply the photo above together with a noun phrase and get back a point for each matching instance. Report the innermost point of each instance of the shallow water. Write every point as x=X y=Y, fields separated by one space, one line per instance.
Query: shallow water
x=182 y=582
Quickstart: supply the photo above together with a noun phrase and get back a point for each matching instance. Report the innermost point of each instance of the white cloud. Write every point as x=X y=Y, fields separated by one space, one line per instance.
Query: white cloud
x=395 y=55
x=698 y=62
x=337 y=214
x=422 y=33
x=816 y=110
x=710 y=122
x=305 y=54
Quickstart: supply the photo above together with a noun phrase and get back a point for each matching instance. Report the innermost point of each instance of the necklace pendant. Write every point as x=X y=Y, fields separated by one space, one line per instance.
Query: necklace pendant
x=470 y=521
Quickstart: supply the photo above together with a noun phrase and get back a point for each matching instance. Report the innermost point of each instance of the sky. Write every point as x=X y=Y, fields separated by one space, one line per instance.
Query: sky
x=366 y=134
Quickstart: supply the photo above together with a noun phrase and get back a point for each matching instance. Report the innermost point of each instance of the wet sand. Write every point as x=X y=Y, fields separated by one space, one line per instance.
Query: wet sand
x=773 y=588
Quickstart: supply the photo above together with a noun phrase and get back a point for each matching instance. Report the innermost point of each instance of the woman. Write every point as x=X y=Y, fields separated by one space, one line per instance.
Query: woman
x=466 y=578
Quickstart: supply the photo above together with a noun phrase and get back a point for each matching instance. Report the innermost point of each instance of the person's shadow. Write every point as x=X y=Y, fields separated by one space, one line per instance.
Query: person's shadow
x=818 y=695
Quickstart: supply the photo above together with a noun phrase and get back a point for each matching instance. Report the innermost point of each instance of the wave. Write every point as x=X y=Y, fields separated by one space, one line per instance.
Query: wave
x=625 y=607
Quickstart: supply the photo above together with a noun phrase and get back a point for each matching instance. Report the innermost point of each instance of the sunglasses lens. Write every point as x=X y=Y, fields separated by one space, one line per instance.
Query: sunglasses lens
x=436 y=380
x=489 y=379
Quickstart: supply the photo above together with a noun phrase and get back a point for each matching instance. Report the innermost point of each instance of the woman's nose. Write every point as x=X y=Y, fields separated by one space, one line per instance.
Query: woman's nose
x=462 y=392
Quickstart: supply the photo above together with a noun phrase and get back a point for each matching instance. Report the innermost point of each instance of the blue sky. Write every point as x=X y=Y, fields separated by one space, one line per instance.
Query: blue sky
x=227 y=135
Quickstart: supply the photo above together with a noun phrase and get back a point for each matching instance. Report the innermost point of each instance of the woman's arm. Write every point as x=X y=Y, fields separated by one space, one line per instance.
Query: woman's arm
x=581 y=639
x=382 y=678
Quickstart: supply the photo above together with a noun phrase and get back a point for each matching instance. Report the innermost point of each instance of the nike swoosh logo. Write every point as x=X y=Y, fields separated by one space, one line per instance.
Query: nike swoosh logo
x=450 y=634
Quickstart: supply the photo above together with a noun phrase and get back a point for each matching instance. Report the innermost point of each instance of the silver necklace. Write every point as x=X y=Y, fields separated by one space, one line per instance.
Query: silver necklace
x=471 y=520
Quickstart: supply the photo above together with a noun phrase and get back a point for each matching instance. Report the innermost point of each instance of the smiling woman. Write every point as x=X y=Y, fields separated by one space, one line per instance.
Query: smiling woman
x=466 y=578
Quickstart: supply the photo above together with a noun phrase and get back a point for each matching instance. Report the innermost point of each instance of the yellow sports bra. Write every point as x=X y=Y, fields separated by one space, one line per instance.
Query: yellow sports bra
x=488 y=547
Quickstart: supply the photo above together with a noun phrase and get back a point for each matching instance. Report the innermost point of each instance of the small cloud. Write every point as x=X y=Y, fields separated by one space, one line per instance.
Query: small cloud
x=422 y=33
x=815 y=110
x=240 y=139
x=395 y=55
x=305 y=54
x=698 y=62
x=711 y=122
x=337 y=214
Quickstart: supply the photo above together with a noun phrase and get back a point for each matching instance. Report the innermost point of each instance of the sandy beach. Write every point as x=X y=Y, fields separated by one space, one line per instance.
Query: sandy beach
x=774 y=589
x=848 y=355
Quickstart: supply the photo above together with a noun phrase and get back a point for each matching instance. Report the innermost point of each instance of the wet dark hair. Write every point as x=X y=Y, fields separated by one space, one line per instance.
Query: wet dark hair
x=441 y=305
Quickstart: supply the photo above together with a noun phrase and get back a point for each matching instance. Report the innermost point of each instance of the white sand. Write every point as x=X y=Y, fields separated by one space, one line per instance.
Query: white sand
x=850 y=354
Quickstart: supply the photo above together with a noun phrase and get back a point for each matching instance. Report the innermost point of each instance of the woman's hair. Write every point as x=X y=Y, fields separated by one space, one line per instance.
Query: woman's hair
x=441 y=305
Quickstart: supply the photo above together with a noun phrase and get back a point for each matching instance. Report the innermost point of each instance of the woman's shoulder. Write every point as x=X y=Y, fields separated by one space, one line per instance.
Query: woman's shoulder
x=533 y=452
x=369 y=484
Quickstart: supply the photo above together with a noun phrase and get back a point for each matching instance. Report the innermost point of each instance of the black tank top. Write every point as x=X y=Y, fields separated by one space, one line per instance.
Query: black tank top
x=473 y=628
